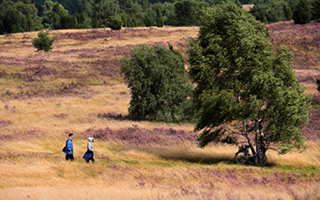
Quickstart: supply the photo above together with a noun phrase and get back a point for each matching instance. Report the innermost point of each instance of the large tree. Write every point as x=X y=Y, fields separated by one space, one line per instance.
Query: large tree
x=244 y=85
x=159 y=87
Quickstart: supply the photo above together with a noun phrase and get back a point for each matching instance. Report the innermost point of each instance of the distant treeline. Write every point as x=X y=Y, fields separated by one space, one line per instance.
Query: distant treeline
x=33 y=15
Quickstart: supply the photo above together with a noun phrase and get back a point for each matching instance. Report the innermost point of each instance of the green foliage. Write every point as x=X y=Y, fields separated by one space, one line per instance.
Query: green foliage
x=168 y=13
x=60 y=15
x=55 y=16
x=18 y=17
x=83 y=21
x=134 y=12
x=219 y=2
x=115 y=23
x=270 y=10
x=160 y=20
x=315 y=10
x=287 y=12
x=43 y=42
x=187 y=12
x=302 y=13
x=241 y=80
x=70 y=5
x=47 y=14
x=147 y=21
x=29 y=12
x=159 y=87
x=101 y=11
x=124 y=19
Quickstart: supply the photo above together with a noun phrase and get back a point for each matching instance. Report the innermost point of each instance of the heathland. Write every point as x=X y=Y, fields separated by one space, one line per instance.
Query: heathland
x=78 y=88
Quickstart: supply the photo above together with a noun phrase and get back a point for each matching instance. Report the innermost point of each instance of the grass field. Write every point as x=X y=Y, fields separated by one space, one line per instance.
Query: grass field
x=78 y=88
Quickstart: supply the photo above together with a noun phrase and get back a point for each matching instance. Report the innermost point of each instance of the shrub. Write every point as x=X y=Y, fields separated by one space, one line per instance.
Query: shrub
x=159 y=87
x=114 y=23
x=43 y=42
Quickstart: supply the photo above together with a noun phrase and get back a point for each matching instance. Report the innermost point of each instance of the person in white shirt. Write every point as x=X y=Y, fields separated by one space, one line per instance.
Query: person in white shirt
x=90 y=152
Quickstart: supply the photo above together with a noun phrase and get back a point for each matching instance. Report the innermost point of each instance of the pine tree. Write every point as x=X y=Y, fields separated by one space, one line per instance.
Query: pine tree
x=43 y=42
x=302 y=13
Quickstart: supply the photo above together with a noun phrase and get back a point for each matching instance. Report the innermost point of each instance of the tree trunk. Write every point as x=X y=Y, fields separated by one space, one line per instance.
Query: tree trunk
x=248 y=138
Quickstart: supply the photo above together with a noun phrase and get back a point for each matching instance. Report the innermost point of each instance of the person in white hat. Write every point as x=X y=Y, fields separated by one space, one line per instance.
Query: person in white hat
x=90 y=152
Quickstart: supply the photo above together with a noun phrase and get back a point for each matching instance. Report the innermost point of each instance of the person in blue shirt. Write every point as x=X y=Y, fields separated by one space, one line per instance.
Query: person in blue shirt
x=69 y=148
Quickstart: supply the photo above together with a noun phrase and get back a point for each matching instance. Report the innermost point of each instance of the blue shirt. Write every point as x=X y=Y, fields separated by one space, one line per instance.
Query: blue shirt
x=69 y=147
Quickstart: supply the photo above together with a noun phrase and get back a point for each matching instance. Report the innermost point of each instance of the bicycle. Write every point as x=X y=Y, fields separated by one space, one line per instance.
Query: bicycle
x=243 y=156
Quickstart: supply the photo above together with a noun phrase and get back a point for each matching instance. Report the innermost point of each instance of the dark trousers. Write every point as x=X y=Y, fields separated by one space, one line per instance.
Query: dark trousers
x=69 y=157
x=92 y=160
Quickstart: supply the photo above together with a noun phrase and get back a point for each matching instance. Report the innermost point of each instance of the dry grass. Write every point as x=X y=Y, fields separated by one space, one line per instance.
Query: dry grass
x=139 y=174
x=33 y=166
x=247 y=7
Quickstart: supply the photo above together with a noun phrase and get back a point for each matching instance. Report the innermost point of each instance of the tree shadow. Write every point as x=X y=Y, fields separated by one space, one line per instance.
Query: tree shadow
x=115 y=116
x=203 y=158
x=211 y=160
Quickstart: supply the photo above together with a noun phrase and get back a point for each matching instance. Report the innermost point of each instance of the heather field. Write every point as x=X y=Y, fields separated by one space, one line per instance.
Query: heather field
x=78 y=88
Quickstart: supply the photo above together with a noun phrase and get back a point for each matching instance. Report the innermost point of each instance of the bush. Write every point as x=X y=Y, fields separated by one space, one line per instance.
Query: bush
x=114 y=23
x=159 y=87
x=43 y=42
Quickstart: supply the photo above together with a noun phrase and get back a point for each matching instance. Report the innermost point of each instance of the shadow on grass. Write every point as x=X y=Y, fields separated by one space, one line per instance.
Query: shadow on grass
x=188 y=156
x=199 y=157
x=202 y=160
x=115 y=116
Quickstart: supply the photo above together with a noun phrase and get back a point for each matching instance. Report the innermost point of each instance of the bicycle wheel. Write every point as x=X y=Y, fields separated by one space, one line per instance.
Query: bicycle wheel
x=241 y=157
x=260 y=160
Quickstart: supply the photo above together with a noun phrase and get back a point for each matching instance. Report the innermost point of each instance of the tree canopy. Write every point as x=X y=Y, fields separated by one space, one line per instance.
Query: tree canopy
x=159 y=87
x=243 y=81
x=19 y=17
x=31 y=15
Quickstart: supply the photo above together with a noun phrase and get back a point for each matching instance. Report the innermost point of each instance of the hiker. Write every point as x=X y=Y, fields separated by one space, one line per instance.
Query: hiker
x=69 y=148
x=90 y=152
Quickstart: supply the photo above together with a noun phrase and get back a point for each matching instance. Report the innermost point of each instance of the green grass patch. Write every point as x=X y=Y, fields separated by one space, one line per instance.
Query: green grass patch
x=163 y=164
x=302 y=170
x=131 y=162
x=93 y=82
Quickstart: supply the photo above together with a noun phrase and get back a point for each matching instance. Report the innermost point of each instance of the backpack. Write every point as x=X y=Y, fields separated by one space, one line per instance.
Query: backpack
x=64 y=148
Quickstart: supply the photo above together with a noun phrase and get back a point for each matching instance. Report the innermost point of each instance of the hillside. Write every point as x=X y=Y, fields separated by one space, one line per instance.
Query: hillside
x=77 y=88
